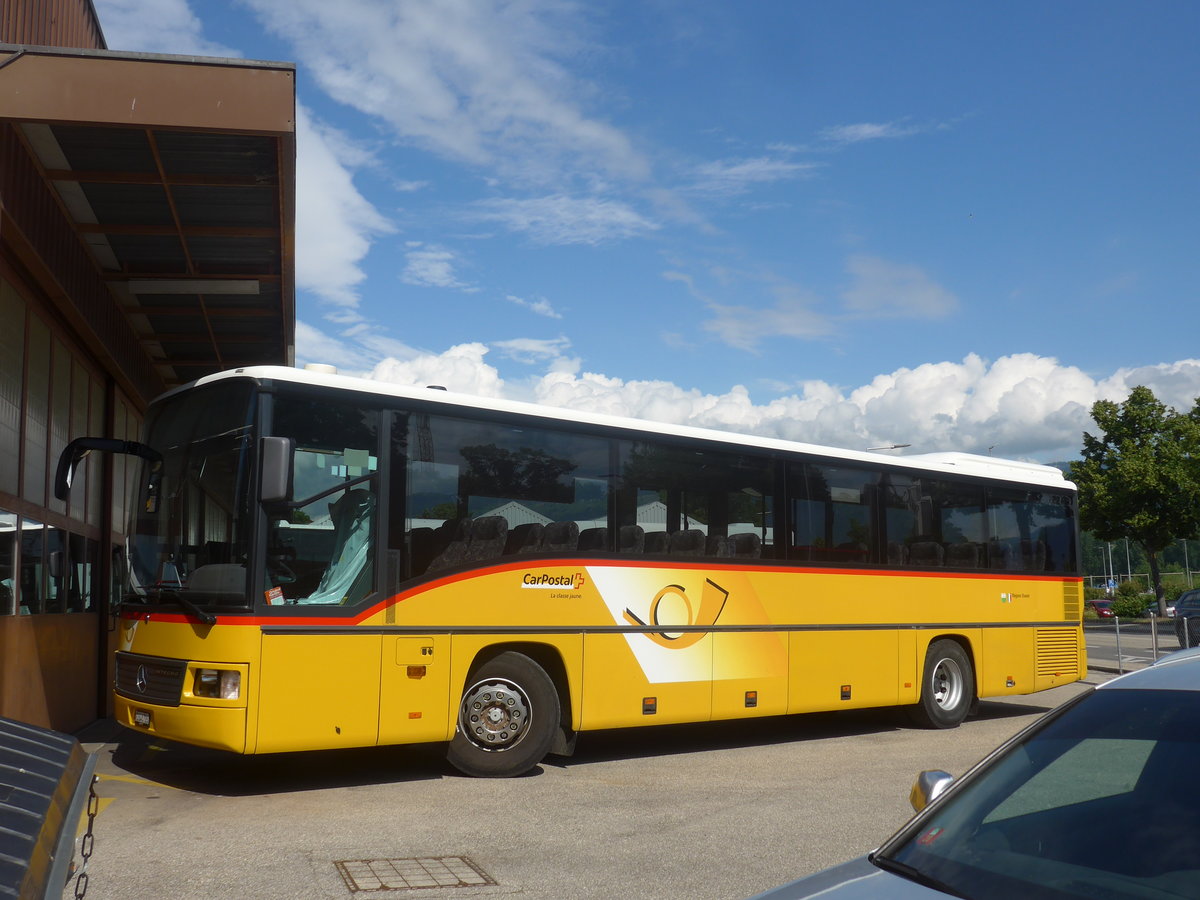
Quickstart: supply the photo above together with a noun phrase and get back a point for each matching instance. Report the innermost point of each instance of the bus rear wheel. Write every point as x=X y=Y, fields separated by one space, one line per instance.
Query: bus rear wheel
x=507 y=718
x=947 y=687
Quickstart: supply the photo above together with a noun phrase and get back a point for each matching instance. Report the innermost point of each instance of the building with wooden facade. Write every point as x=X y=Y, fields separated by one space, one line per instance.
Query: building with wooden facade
x=147 y=207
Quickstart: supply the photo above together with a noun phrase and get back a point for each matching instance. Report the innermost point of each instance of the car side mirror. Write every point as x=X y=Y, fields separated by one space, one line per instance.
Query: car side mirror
x=929 y=786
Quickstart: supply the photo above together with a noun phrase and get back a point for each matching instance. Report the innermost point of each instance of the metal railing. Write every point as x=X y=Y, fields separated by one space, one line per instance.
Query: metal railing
x=1183 y=631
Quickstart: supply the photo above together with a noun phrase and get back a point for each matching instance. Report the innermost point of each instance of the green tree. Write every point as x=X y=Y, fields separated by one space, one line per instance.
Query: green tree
x=1141 y=477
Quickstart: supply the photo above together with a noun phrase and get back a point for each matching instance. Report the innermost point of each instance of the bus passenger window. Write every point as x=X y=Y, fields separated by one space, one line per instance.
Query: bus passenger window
x=1029 y=530
x=478 y=492
x=321 y=547
x=683 y=501
x=949 y=525
x=832 y=514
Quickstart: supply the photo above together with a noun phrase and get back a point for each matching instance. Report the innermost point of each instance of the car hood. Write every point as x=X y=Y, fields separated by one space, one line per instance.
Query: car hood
x=854 y=880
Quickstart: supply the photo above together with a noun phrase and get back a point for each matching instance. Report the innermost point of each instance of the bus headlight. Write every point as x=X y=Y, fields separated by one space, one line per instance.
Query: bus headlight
x=221 y=684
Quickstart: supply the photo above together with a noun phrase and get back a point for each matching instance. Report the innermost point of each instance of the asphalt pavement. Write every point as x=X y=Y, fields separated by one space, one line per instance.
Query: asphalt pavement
x=720 y=810
x=699 y=812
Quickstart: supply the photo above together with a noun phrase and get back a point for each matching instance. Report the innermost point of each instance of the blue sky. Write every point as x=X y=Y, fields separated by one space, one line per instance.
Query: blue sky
x=949 y=225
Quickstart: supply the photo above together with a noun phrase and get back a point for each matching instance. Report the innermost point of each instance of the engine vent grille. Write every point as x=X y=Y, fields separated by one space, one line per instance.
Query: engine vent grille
x=1057 y=651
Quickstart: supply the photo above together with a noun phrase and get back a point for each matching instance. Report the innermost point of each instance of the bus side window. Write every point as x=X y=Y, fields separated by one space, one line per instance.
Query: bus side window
x=694 y=502
x=1029 y=529
x=477 y=492
x=832 y=514
x=322 y=545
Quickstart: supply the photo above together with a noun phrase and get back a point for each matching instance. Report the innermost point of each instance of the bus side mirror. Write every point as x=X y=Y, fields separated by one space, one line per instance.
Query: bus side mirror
x=74 y=452
x=275 y=477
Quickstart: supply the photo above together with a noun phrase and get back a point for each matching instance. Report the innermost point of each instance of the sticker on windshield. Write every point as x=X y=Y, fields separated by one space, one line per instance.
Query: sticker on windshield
x=931 y=835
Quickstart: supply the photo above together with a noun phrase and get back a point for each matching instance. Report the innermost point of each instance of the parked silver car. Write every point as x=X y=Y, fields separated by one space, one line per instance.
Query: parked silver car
x=1097 y=799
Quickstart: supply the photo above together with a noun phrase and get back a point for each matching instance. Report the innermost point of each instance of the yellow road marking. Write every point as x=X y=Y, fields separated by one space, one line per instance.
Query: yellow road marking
x=132 y=779
x=101 y=805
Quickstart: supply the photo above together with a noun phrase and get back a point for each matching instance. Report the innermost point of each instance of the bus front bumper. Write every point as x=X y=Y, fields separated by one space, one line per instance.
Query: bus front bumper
x=220 y=728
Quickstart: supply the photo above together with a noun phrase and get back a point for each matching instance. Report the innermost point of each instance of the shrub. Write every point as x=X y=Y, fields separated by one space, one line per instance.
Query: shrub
x=1128 y=605
x=1130 y=588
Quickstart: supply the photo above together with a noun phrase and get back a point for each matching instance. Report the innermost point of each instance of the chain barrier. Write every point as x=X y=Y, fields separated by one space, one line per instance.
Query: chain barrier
x=89 y=839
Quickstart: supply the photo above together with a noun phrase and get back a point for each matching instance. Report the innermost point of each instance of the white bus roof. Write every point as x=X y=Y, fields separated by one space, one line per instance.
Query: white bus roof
x=948 y=462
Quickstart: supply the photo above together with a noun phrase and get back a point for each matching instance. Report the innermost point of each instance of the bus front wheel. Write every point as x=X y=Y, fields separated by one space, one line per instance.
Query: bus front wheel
x=947 y=686
x=506 y=719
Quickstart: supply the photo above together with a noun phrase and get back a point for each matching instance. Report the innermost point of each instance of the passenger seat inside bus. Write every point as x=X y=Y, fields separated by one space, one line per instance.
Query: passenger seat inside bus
x=926 y=553
x=687 y=543
x=657 y=543
x=746 y=545
x=524 y=538
x=593 y=540
x=560 y=537
x=964 y=555
x=488 y=536
x=631 y=539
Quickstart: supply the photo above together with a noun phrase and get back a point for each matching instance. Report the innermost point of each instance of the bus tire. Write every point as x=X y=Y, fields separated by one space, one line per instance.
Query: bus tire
x=947 y=687
x=507 y=718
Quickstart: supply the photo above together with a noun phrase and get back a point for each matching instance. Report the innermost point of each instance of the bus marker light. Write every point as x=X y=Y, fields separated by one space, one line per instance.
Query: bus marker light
x=845 y=692
x=751 y=699
x=649 y=706
x=416 y=671
x=414 y=715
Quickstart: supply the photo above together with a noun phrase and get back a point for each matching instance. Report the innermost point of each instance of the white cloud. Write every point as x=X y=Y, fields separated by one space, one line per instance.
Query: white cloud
x=461 y=368
x=541 y=306
x=431 y=265
x=1176 y=384
x=156 y=26
x=408 y=187
x=335 y=224
x=481 y=81
x=316 y=346
x=1022 y=406
x=791 y=314
x=736 y=176
x=561 y=219
x=533 y=350
x=867 y=131
x=745 y=328
x=885 y=289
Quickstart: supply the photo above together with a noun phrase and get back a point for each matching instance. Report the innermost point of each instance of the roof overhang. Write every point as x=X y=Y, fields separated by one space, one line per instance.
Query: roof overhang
x=178 y=176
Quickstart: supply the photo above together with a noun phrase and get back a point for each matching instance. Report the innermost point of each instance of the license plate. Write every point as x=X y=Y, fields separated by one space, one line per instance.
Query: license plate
x=141 y=717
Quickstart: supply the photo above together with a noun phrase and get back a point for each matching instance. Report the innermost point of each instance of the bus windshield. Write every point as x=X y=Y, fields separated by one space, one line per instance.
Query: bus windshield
x=189 y=539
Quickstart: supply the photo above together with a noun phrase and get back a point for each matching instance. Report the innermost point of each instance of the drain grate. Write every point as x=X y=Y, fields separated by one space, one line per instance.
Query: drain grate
x=378 y=875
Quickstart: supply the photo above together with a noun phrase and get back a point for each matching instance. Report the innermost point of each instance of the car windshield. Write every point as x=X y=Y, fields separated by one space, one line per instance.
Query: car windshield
x=1101 y=802
x=189 y=541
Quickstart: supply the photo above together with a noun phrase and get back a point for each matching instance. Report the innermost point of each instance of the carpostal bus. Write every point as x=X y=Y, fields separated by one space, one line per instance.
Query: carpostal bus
x=317 y=561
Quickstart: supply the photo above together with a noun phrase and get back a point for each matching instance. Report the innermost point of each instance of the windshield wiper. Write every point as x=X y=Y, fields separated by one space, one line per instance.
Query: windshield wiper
x=174 y=596
x=904 y=870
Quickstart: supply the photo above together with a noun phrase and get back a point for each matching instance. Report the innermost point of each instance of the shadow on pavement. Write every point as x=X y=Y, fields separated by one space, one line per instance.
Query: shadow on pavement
x=219 y=773
x=667 y=740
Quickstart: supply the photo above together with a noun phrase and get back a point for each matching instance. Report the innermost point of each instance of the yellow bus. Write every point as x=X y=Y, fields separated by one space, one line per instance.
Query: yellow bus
x=318 y=561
